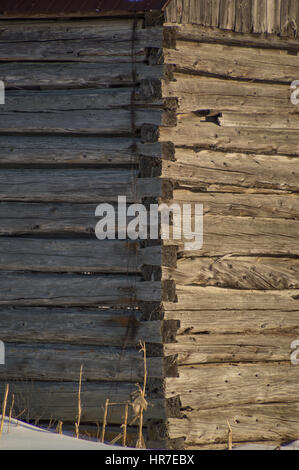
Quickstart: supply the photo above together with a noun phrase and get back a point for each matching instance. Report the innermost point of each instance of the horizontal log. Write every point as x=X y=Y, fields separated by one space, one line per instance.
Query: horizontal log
x=220 y=322
x=62 y=363
x=49 y=30
x=202 y=93
x=95 y=327
x=60 y=255
x=75 y=74
x=197 y=33
x=249 y=423
x=72 y=150
x=236 y=348
x=192 y=297
x=206 y=387
x=233 y=62
x=284 y=206
x=209 y=135
x=206 y=169
x=76 y=185
x=266 y=121
x=225 y=235
x=237 y=272
x=80 y=120
x=53 y=401
x=40 y=289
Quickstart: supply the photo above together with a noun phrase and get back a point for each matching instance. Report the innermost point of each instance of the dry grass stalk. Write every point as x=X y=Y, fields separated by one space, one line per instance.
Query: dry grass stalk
x=4 y=409
x=77 y=424
x=230 y=437
x=125 y=425
x=105 y=420
x=143 y=405
x=59 y=427
x=10 y=411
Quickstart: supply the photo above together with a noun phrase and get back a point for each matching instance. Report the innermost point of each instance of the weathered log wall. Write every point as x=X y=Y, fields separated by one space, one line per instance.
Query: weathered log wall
x=236 y=152
x=245 y=16
x=82 y=107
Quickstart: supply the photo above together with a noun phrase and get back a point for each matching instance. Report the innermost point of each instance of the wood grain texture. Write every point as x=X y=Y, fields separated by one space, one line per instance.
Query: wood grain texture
x=206 y=387
x=237 y=272
x=75 y=185
x=249 y=423
x=80 y=326
x=40 y=289
x=58 y=255
x=232 y=321
x=61 y=363
x=233 y=62
x=208 y=169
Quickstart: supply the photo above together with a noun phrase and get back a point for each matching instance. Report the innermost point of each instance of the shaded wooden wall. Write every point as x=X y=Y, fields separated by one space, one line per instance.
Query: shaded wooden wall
x=76 y=130
x=236 y=149
x=257 y=16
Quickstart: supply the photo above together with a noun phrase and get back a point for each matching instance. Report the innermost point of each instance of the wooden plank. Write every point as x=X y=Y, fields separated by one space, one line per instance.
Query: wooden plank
x=237 y=272
x=74 y=75
x=197 y=93
x=233 y=349
x=218 y=322
x=241 y=205
x=53 y=401
x=63 y=255
x=207 y=169
x=209 y=135
x=227 y=14
x=243 y=16
x=273 y=16
x=75 y=185
x=119 y=29
x=193 y=297
x=259 y=121
x=61 y=363
x=217 y=386
x=40 y=289
x=233 y=62
x=197 y=33
x=249 y=423
x=225 y=235
x=72 y=150
x=80 y=120
x=94 y=327
x=259 y=16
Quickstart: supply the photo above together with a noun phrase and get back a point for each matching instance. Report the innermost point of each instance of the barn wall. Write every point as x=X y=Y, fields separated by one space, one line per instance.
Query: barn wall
x=83 y=106
x=236 y=152
x=245 y=16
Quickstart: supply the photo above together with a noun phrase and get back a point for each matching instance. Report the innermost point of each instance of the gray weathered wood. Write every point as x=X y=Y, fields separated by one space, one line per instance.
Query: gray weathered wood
x=233 y=62
x=73 y=150
x=61 y=363
x=75 y=185
x=40 y=289
x=95 y=327
x=249 y=423
x=208 y=170
x=53 y=401
x=259 y=120
x=74 y=74
x=206 y=387
x=60 y=255
x=237 y=272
